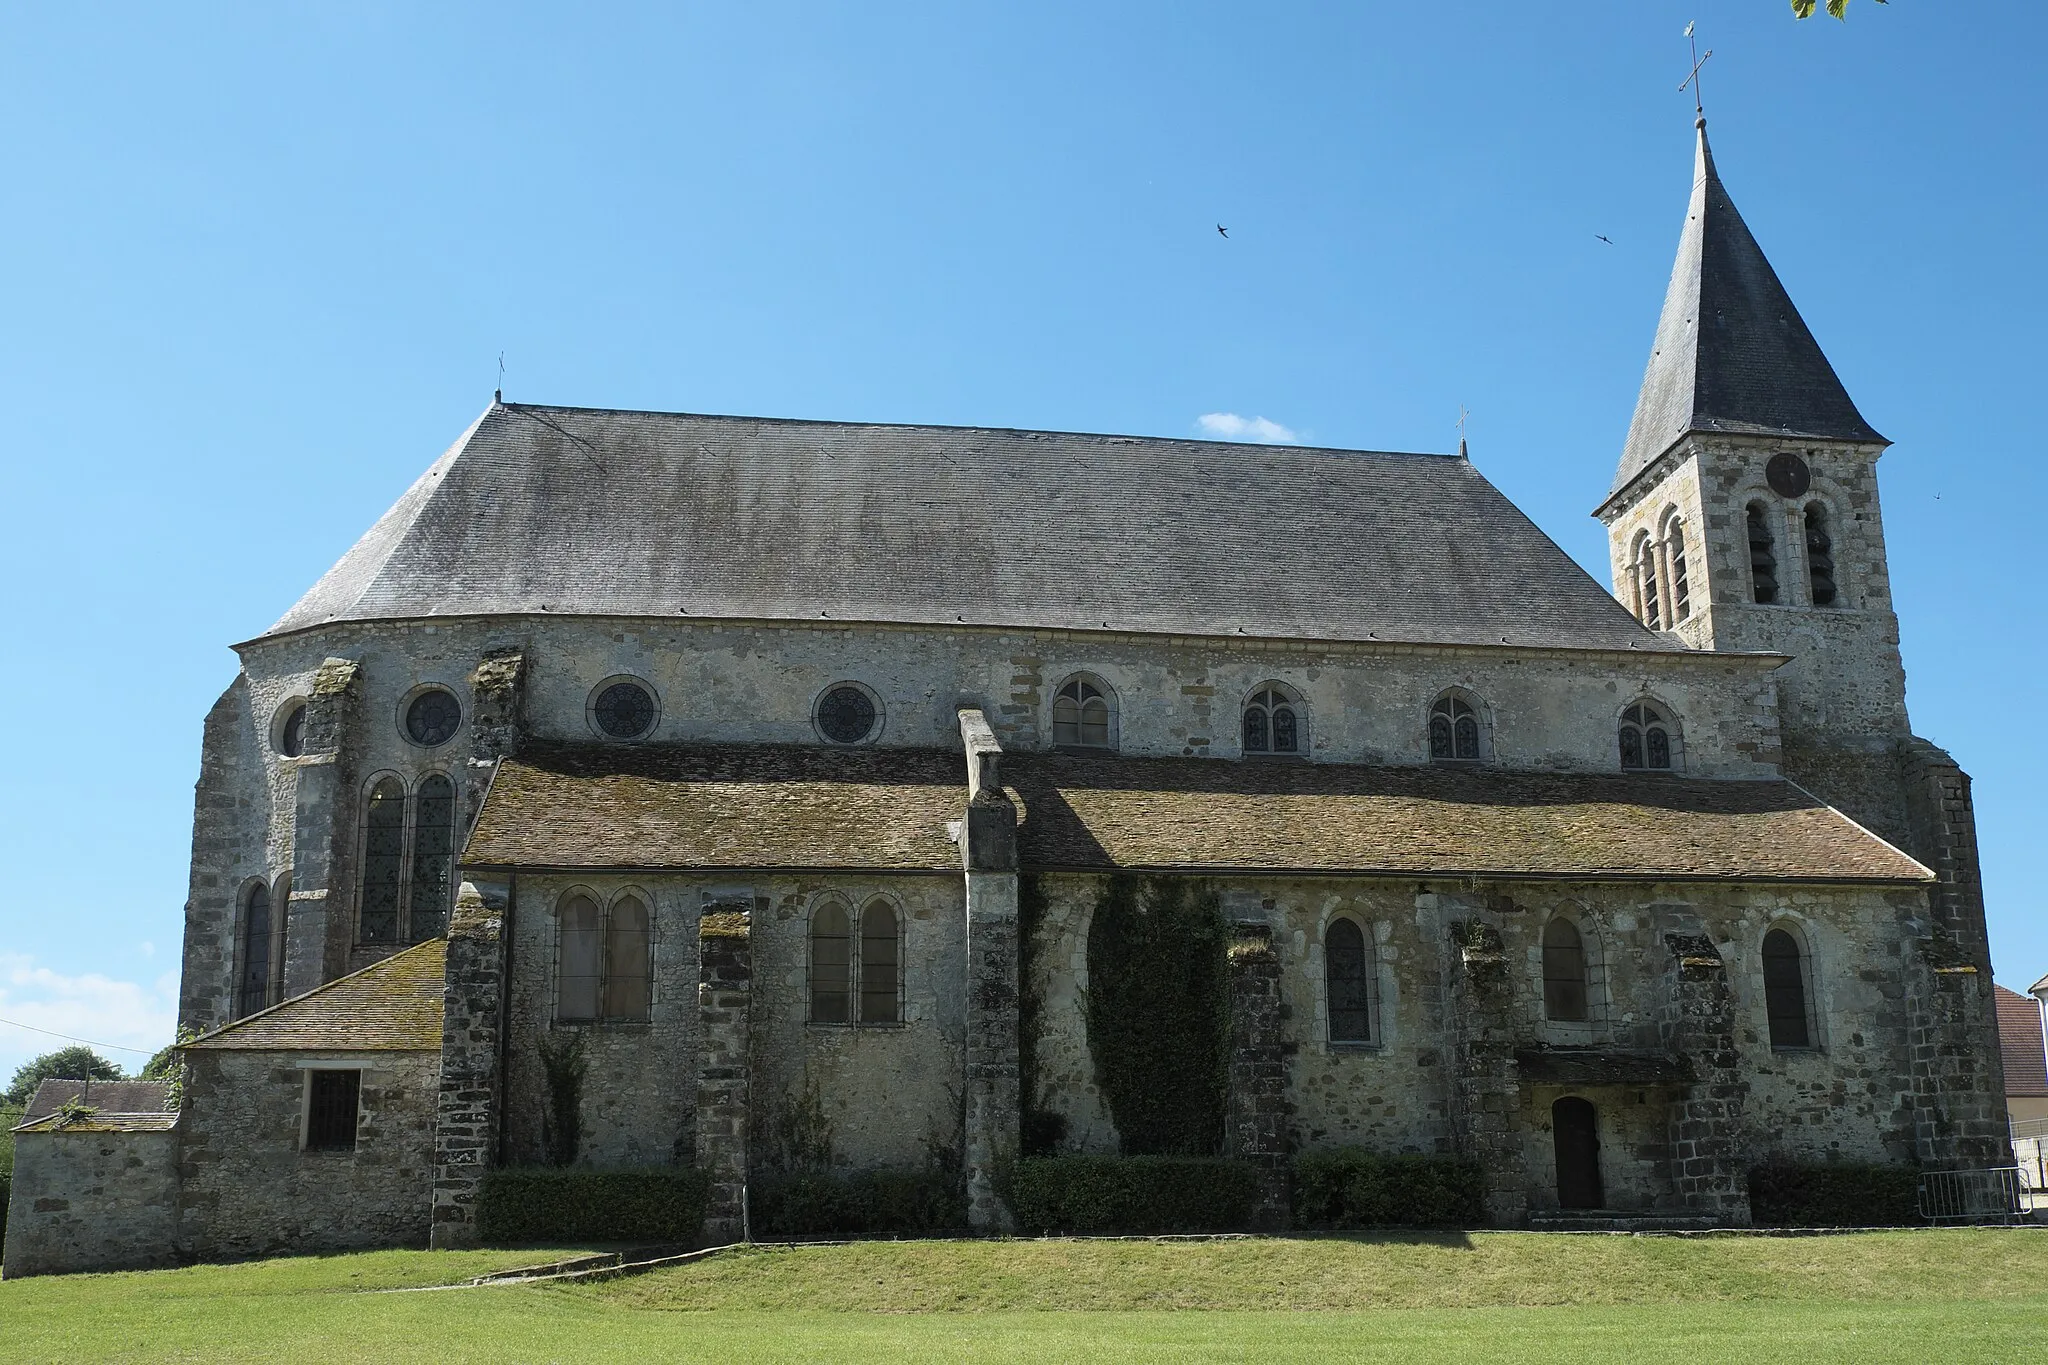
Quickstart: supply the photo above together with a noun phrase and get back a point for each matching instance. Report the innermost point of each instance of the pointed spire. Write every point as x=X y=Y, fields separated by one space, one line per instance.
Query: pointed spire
x=1732 y=353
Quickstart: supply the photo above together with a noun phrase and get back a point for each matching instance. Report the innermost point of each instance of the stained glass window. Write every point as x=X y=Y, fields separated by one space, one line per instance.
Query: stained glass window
x=831 y=966
x=1785 y=990
x=1645 y=738
x=433 y=857
x=879 y=964
x=1080 y=716
x=1453 y=731
x=579 y=969
x=383 y=862
x=433 y=717
x=624 y=710
x=1564 y=971
x=257 y=948
x=846 y=714
x=291 y=736
x=1347 y=977
x=628 y=969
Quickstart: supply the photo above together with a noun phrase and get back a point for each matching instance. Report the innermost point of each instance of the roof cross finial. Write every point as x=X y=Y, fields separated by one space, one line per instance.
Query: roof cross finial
x=1462 y=415
x=500 y=394
x=1692 y=78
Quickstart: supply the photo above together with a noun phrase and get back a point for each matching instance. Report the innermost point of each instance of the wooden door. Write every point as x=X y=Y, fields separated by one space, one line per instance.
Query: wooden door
x=1576 y=1132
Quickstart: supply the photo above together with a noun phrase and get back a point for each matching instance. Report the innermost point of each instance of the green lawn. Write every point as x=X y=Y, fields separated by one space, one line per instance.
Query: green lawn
x=1953 y=1296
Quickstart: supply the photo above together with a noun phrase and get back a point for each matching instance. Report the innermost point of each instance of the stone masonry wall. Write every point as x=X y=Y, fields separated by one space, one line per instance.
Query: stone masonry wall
x=469 y=1106
x=247 y=1188
x=90 y=1199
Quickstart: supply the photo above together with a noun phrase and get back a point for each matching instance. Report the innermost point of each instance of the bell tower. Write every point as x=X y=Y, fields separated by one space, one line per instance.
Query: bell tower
x=1744 y=514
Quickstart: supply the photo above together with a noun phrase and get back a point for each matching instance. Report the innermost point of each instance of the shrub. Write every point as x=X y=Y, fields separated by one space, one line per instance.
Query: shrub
x=6 y=1182
x=1833 y=1194
x=545 y=1204
x=1133 y=1194
x=1349 y=1187
x=858 y=1204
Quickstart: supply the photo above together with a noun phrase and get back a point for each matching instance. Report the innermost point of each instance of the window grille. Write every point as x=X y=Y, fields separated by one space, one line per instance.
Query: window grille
x=257 y=951
x=1681 y=589
x=1820 y=556
x=1080 y=716
x=1785 y=990
x=1646 y=561
x=1272 y=723
x=624 y=710
x=628 y=965
x=831 y=966
x=432 y=718
x=1645 y=739
x=331 y=1110
x=1453 y=731
x=579 y=969
x=846 y=714
x=1348 y=980
x=880 y=963
x=383 y=862
x=1564 y=972
x=1763 y=560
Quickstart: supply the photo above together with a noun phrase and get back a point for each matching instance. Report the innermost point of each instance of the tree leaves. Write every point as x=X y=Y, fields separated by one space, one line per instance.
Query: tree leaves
x=1837 y=9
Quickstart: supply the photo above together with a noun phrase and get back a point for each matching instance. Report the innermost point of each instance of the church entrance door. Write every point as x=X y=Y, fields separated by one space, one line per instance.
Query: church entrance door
x=1576 y=1133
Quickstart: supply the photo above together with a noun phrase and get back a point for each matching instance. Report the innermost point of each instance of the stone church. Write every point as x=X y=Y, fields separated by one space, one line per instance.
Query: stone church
x=773 y=758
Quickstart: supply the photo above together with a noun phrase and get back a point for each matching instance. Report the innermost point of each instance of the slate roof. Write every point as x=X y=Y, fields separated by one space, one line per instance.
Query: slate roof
x=579 y=511
x=1732 y=353
x=390 y=1006
x=2020 y=1041
x=760 y=806
x=765 y=806
x=109 y=1097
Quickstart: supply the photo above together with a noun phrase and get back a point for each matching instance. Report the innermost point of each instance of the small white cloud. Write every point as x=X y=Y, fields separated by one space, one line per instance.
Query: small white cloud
x=1228 y=426
x=123 y=1014
x=148 y=948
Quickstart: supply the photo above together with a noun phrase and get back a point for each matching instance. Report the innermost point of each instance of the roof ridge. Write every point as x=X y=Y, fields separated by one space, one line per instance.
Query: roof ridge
x=381 y=963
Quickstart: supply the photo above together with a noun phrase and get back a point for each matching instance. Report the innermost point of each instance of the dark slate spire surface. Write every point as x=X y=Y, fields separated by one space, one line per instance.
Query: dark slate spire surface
x=1732 y=353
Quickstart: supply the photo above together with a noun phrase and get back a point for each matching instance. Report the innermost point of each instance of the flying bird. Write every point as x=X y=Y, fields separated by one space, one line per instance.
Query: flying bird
x=1222 y=231
x=1608 y=240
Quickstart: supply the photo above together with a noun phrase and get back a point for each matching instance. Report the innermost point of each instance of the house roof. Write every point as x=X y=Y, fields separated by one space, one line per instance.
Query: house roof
x=2021 y=1044
x=766 y=806
x=590 y=512
x=101 y=1123
x=1732 y=353
x=748 y=806
x=390 y=1006
x=110 y=1097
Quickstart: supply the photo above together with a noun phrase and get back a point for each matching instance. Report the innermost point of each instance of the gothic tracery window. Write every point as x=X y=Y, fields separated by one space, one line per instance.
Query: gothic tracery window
x=1348 y=982
x=1272 y=722
x=847 y=714
x=1082 y=716
x=1645 y=739
x=1453 y=730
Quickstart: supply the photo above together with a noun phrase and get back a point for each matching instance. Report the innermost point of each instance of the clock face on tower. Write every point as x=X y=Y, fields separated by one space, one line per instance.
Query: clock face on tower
x=1787 y=475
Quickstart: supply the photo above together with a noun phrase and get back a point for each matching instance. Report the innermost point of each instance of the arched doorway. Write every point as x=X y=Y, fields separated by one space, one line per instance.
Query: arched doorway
x=1575 y=1130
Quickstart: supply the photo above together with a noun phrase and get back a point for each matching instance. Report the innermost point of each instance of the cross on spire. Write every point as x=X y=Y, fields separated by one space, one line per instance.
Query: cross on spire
x=1692 y=77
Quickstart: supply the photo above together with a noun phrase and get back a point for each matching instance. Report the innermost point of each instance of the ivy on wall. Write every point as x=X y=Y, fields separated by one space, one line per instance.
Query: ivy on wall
x=1043 y=1130
x=1159 y=1013
x=561 y=1121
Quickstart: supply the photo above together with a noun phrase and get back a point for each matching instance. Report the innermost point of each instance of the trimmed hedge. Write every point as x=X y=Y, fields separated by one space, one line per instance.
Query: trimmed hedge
x=858 y=1204
x=1133 y=1194
x=552 y=1204
x=1834 y=1194
x=1349 y=1187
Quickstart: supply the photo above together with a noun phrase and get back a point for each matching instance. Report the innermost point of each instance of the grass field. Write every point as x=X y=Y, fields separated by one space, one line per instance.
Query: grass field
x=1908 y=1296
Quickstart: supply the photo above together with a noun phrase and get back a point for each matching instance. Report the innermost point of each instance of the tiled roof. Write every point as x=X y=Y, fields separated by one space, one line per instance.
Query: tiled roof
x=721 y=806
x=580 y=512
x=102 y=1123
x=745 y=806
x=2019 y=1039
x=1195 y=813
x=113 y=1097
x=390 y=1006
x=1732 y=353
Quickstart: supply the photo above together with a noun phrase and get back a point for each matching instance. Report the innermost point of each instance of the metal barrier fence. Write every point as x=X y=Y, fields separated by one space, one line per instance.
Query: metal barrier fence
x=2029 y=1128
x=1990 y=1196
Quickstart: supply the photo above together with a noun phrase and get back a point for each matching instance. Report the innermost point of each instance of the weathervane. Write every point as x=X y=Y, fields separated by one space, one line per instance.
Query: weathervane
x=1693 y=77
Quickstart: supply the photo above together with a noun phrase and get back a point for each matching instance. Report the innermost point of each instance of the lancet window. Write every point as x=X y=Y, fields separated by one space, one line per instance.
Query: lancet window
x=1272 y=722
x=604 y=957
x=1763 y=557
x=1785 y=990
x=408 y=867
x=856 y=977
x=1454 y=734
x=1348 y=979
x=1564 y=972
x=1820 y=556
x=1646 y=739
x=1084 y=714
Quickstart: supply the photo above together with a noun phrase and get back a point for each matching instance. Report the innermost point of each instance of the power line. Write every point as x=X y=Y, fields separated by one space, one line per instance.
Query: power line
x=138 y=1051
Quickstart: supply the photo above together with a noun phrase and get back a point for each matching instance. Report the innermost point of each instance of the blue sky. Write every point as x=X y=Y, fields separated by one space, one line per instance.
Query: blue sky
x=259 y=267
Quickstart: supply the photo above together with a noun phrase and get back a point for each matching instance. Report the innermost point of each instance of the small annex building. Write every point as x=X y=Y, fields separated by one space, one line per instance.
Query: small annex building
x=789 y=767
